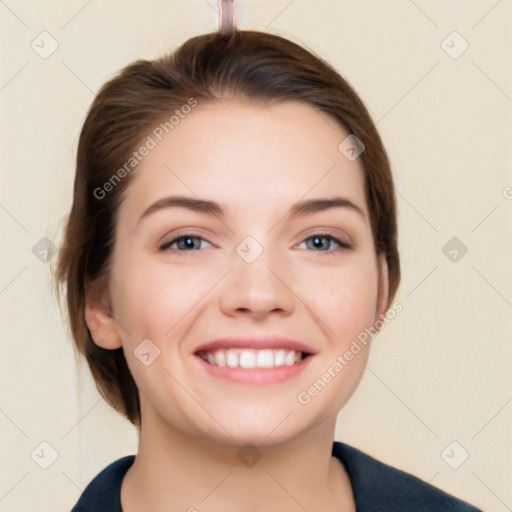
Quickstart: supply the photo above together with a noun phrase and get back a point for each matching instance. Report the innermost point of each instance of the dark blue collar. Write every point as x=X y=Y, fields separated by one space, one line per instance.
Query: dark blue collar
x=377 y=487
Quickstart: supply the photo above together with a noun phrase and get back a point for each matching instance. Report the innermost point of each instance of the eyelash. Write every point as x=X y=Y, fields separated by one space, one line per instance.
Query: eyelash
x=344 y=245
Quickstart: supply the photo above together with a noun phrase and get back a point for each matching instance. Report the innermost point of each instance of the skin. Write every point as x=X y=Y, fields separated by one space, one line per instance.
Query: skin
x=258 y=161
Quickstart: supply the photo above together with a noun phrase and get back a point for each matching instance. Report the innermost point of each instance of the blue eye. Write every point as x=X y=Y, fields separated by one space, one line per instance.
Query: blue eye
x=318 y=238
x=188 y=243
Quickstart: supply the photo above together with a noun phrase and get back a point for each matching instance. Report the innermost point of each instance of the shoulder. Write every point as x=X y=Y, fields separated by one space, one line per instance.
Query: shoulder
x=380 y=487
x=104 y=491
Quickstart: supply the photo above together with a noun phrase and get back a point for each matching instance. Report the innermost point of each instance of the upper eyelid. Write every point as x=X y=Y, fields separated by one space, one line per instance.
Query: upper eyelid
x=193 y=232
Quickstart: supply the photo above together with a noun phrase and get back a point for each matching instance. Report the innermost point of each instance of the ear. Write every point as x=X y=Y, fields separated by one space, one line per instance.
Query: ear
x=98 y=316
x=383 y=291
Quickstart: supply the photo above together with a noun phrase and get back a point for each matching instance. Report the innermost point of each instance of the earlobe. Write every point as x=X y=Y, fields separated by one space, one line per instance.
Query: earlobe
x=98 y=318
x=383 y=292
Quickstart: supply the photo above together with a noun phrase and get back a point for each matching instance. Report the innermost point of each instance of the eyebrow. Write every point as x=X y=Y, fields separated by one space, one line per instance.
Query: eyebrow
x=300 y=209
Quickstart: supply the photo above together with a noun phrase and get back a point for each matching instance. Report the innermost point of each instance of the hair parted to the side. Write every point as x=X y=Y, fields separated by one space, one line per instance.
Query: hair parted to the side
x=260 y=67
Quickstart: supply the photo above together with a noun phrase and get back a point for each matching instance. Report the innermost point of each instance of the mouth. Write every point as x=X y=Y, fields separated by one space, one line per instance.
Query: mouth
x=251 y=359
x=254 y=360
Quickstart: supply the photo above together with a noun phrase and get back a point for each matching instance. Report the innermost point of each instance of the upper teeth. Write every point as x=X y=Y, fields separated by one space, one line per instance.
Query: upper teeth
x=251 y=358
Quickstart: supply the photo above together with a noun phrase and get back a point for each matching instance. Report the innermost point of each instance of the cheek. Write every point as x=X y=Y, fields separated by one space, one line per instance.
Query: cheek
x=151 y=299
x=345 y=299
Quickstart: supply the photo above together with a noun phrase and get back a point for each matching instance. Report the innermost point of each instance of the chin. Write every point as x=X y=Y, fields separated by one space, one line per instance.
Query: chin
x=262 y=425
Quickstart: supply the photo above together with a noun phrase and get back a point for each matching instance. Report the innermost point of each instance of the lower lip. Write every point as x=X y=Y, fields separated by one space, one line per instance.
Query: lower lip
x=258 y=376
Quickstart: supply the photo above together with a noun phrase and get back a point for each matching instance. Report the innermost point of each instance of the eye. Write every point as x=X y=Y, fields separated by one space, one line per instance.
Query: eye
x=318 y=242
x=185 y=242
x=190 y=242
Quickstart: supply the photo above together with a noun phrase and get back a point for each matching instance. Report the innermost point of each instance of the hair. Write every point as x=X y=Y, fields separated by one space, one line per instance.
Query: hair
x=259 y=67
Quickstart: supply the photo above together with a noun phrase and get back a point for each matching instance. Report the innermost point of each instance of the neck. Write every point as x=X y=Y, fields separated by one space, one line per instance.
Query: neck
x=176 y=471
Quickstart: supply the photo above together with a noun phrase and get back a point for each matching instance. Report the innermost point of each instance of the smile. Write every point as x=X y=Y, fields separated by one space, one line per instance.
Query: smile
x=253 y=366
x=252 y=358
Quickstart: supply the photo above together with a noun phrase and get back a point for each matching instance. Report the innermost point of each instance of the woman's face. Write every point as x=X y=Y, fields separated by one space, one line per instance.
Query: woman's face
x=260 y=269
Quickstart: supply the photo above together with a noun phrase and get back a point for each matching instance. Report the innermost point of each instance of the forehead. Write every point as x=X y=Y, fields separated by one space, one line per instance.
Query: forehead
x=245 y=155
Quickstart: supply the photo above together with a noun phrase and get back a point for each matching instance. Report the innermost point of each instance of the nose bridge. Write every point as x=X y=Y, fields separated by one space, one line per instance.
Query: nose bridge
x=257 y=281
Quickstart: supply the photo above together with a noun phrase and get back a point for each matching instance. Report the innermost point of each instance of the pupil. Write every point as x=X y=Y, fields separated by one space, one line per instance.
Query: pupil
x=317 y=241
x=188 y=242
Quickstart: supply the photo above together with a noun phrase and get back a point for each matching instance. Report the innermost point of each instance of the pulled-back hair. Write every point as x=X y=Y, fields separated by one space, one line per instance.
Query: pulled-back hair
x=260 y=67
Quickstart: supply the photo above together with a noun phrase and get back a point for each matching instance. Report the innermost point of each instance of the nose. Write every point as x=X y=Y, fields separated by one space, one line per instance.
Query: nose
x=258 y=289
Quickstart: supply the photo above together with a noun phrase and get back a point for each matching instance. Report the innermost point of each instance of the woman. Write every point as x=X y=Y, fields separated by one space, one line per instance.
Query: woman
x=231 y=243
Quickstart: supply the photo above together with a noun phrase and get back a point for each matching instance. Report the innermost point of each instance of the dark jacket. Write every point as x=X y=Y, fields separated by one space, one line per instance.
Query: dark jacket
x=377 y=487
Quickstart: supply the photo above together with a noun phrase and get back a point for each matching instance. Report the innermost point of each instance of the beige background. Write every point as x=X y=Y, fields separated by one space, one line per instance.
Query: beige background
x=440 y=372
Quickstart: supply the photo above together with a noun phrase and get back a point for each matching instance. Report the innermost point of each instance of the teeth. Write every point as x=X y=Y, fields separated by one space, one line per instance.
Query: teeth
x=220 y=358
x=289 y=359
x=247 y=359
x=250 y=358
x=279 y=358
x=265 y=359
x=231 y=358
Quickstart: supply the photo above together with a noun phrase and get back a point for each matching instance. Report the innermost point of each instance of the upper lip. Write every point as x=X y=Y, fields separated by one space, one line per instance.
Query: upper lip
x=259 y=342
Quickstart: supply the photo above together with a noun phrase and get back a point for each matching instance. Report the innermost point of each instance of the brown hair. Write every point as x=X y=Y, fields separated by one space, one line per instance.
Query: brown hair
x=260 y=67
